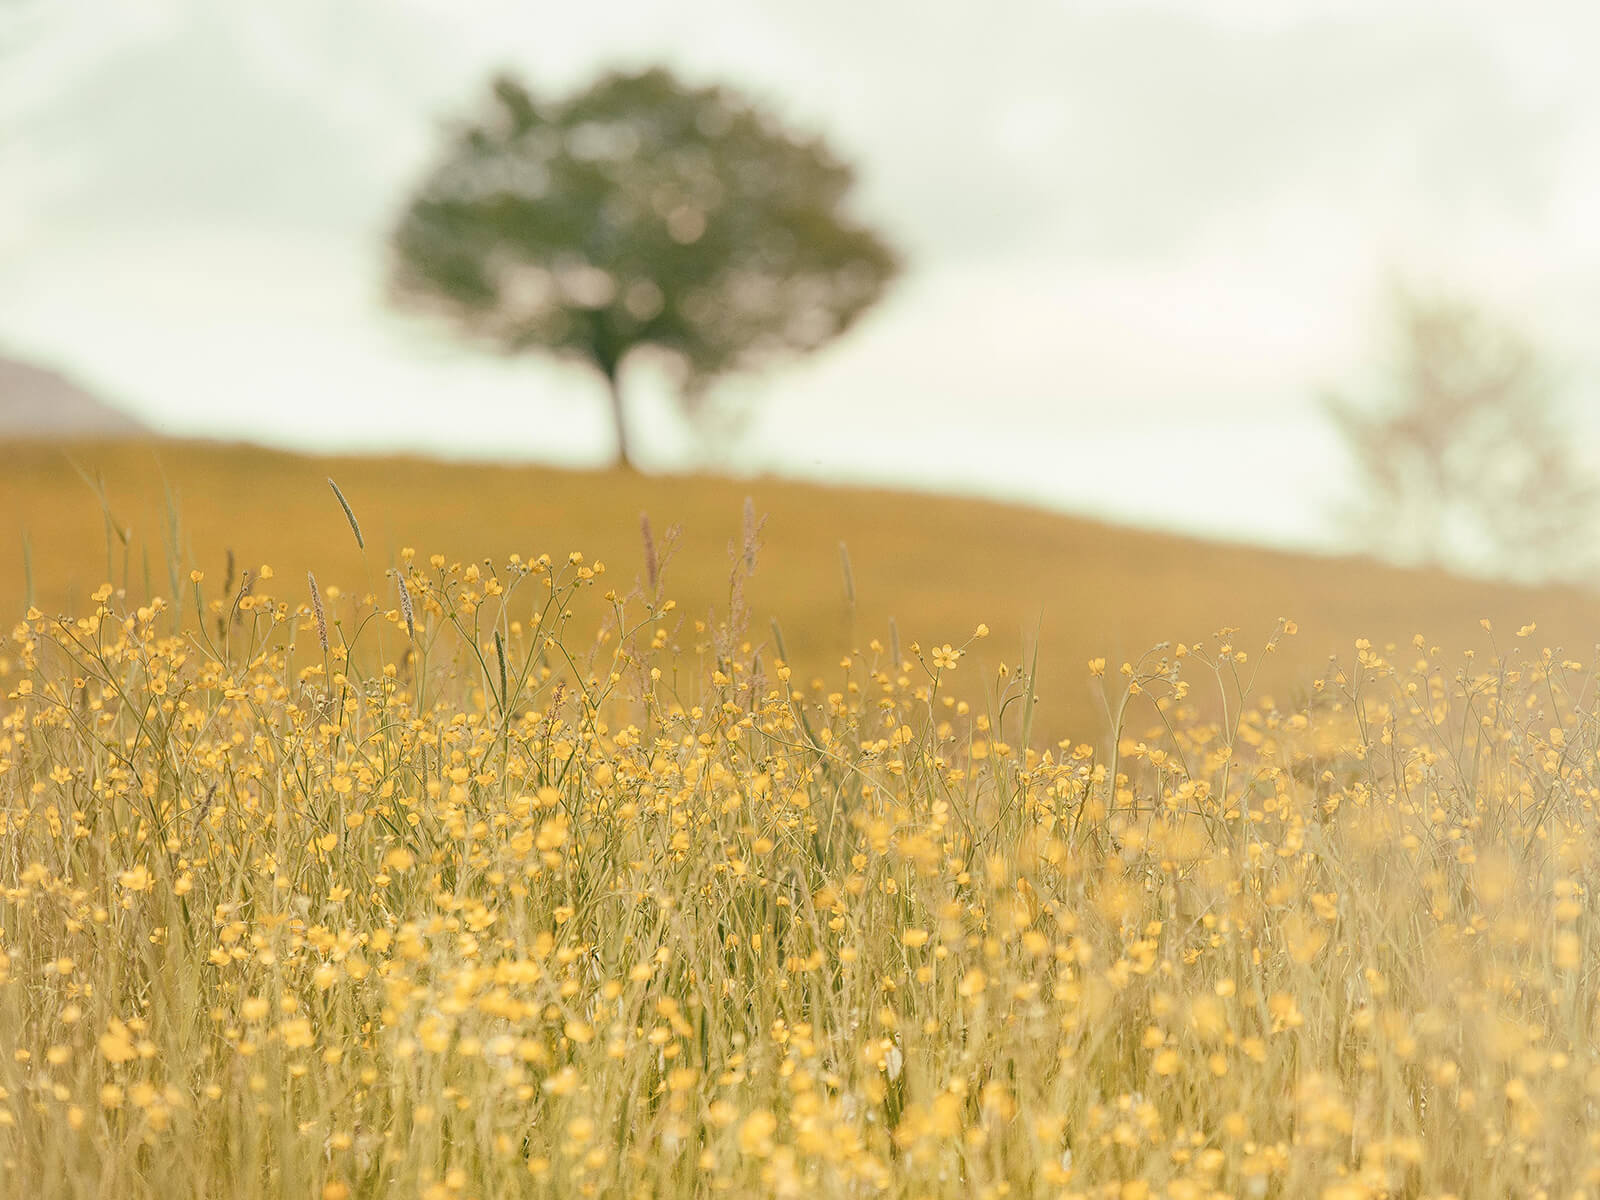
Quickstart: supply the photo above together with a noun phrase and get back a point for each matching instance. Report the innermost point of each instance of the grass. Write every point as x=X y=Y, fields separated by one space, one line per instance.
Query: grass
x=1069 y=589
x=529 y=880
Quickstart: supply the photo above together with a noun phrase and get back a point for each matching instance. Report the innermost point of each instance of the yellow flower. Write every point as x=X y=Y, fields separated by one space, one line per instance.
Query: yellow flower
x=580 y=1031
x=116 y=1045
x=399 y=859
x=137 y=879
x=755 y=1133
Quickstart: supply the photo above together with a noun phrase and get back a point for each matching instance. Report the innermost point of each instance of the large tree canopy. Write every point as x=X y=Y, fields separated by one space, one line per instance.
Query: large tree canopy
x=639 y=212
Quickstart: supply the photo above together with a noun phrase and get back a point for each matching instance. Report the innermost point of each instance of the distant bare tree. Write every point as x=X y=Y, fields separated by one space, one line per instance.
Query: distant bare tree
x=1465 y=459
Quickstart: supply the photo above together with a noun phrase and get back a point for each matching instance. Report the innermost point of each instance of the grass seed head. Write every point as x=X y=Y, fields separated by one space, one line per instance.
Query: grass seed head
x=349 y=513
x=317 y=612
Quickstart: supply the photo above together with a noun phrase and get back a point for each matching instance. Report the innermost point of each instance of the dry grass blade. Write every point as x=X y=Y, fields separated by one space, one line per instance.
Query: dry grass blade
x=500 y=656
x=406 y=610
x=652 y=566
x=750 y=540
x=316 y=611
x=355 y=526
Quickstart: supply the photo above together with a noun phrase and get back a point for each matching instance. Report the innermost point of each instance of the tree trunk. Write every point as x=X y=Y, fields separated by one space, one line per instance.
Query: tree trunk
x=619 y=421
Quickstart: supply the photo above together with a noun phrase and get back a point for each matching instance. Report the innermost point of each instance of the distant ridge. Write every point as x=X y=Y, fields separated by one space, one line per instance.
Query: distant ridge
x=37 y=403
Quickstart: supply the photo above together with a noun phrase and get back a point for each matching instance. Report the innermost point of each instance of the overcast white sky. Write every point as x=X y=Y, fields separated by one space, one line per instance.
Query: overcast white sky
x=1143 y=236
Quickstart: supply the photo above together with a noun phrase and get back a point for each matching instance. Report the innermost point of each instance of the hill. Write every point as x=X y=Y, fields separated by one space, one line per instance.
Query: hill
x=936 y=565
x=39 y=403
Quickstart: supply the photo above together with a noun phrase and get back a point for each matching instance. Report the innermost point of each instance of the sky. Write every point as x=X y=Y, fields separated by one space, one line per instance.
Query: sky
x=1145 y=238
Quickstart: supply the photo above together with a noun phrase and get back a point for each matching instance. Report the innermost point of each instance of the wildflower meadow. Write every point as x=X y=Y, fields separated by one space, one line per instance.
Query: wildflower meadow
x=512 y=877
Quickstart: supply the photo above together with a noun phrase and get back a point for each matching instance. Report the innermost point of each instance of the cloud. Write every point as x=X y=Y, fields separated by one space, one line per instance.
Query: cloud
x=251 y=115
x=1117 y=132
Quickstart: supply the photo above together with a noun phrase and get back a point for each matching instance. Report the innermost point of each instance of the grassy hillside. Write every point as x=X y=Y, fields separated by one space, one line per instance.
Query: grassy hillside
x=528 y=895
x=937 y=566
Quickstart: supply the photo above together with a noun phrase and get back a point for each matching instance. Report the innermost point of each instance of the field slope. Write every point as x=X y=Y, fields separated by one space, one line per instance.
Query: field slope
x=509 y=880
x=936 y=565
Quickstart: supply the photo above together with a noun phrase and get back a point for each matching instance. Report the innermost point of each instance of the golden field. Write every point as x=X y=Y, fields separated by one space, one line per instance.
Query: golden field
x=933 y=565
x=472 y=869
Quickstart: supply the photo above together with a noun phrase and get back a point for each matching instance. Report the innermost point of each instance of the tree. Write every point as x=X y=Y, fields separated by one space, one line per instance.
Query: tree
x=1464 y=458
x=641 y=212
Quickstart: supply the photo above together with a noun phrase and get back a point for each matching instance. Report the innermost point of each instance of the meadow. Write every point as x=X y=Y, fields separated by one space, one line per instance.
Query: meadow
x=929 y=567
x=429 y=866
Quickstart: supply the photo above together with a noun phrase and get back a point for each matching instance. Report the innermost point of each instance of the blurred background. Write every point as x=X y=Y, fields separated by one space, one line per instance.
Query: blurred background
x=1142 y=240
x=1224 y=294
